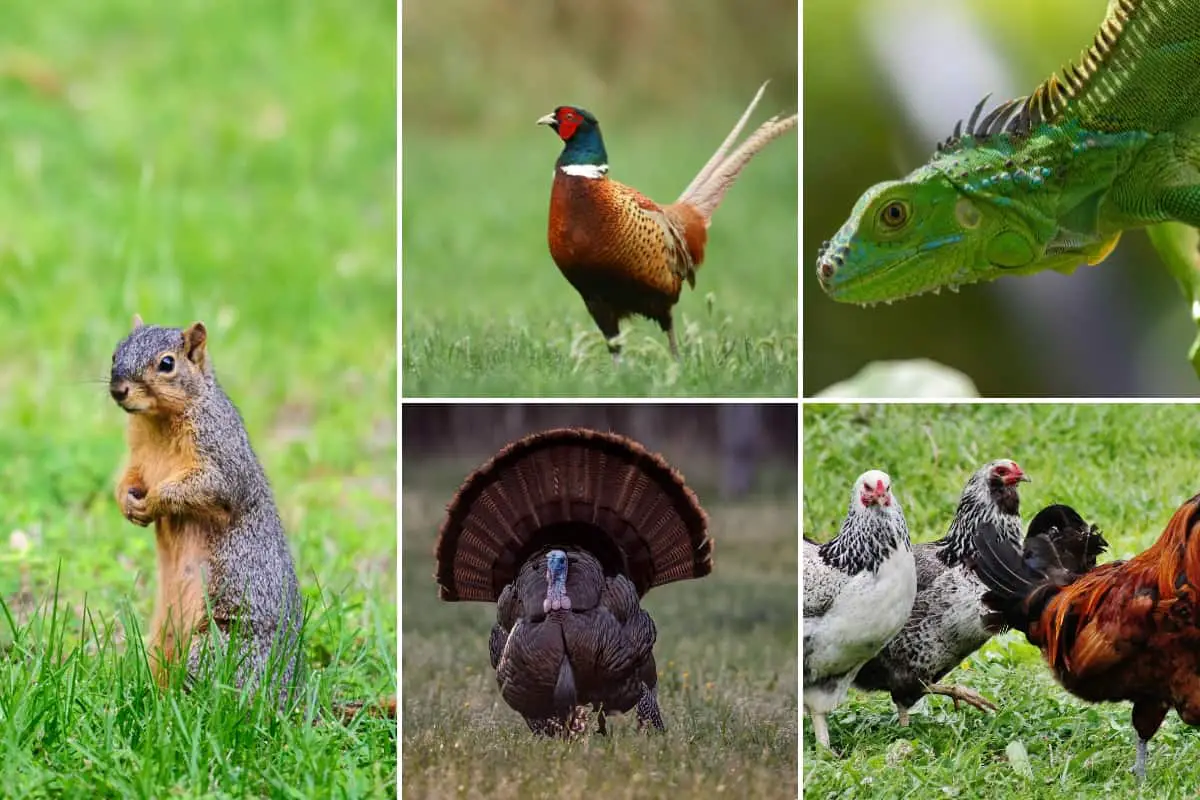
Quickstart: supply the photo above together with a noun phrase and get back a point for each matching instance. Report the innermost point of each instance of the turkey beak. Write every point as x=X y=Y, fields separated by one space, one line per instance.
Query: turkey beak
x=548 y=120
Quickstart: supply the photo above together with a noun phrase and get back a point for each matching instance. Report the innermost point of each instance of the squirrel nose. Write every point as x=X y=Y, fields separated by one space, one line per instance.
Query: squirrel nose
x=119 y=391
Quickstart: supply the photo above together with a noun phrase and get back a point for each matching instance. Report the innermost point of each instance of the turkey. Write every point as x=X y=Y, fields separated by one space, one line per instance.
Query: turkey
x=947 y=621
x=858 y=590
x=566 y=530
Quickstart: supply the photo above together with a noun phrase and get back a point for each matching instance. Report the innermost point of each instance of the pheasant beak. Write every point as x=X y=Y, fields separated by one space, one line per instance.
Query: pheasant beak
x=548 y=120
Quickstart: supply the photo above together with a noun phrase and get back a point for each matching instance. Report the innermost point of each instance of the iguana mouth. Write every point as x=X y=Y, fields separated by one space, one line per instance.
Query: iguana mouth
x=830 y=260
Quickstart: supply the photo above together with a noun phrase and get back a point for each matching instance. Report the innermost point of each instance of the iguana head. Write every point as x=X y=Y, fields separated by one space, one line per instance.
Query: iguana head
x=933 y=229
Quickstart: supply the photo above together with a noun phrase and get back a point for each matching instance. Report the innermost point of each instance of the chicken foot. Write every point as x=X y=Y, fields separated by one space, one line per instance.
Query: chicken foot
x=957 y=693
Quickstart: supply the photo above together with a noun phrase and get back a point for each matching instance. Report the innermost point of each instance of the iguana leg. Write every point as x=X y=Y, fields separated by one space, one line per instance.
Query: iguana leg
x=1177 y=244
x=1103 y=250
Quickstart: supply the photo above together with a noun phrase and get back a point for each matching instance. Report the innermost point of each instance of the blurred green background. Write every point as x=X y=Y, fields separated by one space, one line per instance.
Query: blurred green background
x=486 y=311
x=884 y=81
x=233 y=163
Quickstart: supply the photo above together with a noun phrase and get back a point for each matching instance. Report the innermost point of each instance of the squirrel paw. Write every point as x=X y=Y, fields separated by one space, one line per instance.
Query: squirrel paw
x=133 y=506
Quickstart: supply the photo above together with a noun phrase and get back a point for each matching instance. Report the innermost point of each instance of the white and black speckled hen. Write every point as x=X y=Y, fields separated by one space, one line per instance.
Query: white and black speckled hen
x=858 y=591
x=947 y=621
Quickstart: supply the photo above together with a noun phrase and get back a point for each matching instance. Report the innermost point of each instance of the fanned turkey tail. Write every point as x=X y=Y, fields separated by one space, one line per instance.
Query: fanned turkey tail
x=707 y=189
x=571 y=487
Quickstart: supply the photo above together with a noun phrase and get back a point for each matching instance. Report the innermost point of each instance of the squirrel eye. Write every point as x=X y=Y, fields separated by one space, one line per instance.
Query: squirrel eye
x=166 y=364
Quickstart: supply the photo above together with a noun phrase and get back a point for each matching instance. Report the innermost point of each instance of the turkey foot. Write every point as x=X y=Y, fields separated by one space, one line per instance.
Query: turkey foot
x=648 y=711
x=969 y=696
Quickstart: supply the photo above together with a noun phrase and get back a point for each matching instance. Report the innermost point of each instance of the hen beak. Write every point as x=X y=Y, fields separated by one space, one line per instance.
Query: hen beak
x=1021 y=477
x=876 y=497
x=548 y=120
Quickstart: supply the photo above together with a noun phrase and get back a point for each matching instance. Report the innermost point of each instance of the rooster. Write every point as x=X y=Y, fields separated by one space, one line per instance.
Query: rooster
x=1125 y=630
x=624 y=253
x=946 y=624
x=858 y=589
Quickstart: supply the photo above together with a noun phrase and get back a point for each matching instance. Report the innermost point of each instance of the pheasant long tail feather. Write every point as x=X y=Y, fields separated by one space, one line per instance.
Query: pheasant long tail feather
x=710 y=184
x=715 y=160
x=571 y=488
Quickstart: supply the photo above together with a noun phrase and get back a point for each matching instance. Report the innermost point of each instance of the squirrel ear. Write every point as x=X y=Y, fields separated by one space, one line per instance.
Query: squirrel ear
x=137 y=321
x=194 y=339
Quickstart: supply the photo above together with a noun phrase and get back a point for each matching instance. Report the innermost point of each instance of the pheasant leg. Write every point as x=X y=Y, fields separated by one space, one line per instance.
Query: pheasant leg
x=671 y=342
x=968 y=696
x=609 y=324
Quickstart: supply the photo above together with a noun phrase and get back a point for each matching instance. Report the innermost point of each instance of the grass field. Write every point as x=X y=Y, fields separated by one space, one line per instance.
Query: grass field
x=1126 y=469
x=485 y=310
x=235 y=165
x=726 y=654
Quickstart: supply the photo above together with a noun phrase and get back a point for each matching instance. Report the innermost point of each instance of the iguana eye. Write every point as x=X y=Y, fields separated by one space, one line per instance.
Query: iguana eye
x=894 y=214
x=166 y=364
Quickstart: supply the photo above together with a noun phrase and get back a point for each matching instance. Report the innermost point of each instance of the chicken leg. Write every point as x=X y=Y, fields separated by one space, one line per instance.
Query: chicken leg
x=820 y=729
x=1147 y=717
x=957 y=693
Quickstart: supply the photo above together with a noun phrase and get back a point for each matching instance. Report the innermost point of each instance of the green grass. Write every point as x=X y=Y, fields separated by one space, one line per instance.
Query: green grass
x=1126 y=468
x=194 y=161
x=485 y=310
x=726 y=654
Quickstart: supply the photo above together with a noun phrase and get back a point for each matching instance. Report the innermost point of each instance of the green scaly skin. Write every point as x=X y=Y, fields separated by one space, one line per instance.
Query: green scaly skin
x=1048 y=181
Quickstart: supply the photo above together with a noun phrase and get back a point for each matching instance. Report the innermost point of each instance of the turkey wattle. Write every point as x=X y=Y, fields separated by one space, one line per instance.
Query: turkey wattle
x=566 y=530
x=858 y=591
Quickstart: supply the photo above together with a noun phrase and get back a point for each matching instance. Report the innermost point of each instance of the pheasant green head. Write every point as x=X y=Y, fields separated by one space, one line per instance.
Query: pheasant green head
x=556 y=583
x=583 y=146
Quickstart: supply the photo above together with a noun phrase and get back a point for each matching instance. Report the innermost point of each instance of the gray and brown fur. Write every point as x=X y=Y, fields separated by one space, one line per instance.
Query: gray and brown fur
x=223 y=559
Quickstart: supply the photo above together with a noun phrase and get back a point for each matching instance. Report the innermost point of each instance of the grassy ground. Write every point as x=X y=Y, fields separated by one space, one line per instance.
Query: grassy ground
x=726 y=653
x=191 y=161
x=486 y=311
x=1126 y=469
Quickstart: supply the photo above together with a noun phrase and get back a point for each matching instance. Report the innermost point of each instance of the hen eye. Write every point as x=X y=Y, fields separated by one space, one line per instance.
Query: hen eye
x=166 y=364
x=894 y=214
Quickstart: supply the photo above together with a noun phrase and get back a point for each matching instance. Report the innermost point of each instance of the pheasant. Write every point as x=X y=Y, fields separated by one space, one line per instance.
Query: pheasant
x=624 y=253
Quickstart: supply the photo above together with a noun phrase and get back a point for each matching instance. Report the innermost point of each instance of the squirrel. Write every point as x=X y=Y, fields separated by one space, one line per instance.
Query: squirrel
x=223 y=560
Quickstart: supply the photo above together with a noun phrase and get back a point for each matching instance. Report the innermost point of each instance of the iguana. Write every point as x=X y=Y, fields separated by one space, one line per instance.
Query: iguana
x=1050 y=180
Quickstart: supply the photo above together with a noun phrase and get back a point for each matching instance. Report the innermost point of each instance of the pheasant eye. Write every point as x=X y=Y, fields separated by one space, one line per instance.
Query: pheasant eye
x=166 y=364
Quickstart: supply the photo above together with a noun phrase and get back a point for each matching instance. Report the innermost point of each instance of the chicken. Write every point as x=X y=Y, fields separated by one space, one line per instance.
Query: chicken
x=858 y=590
x=1125 y=630
x=1060 y=539
x=946 y=624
